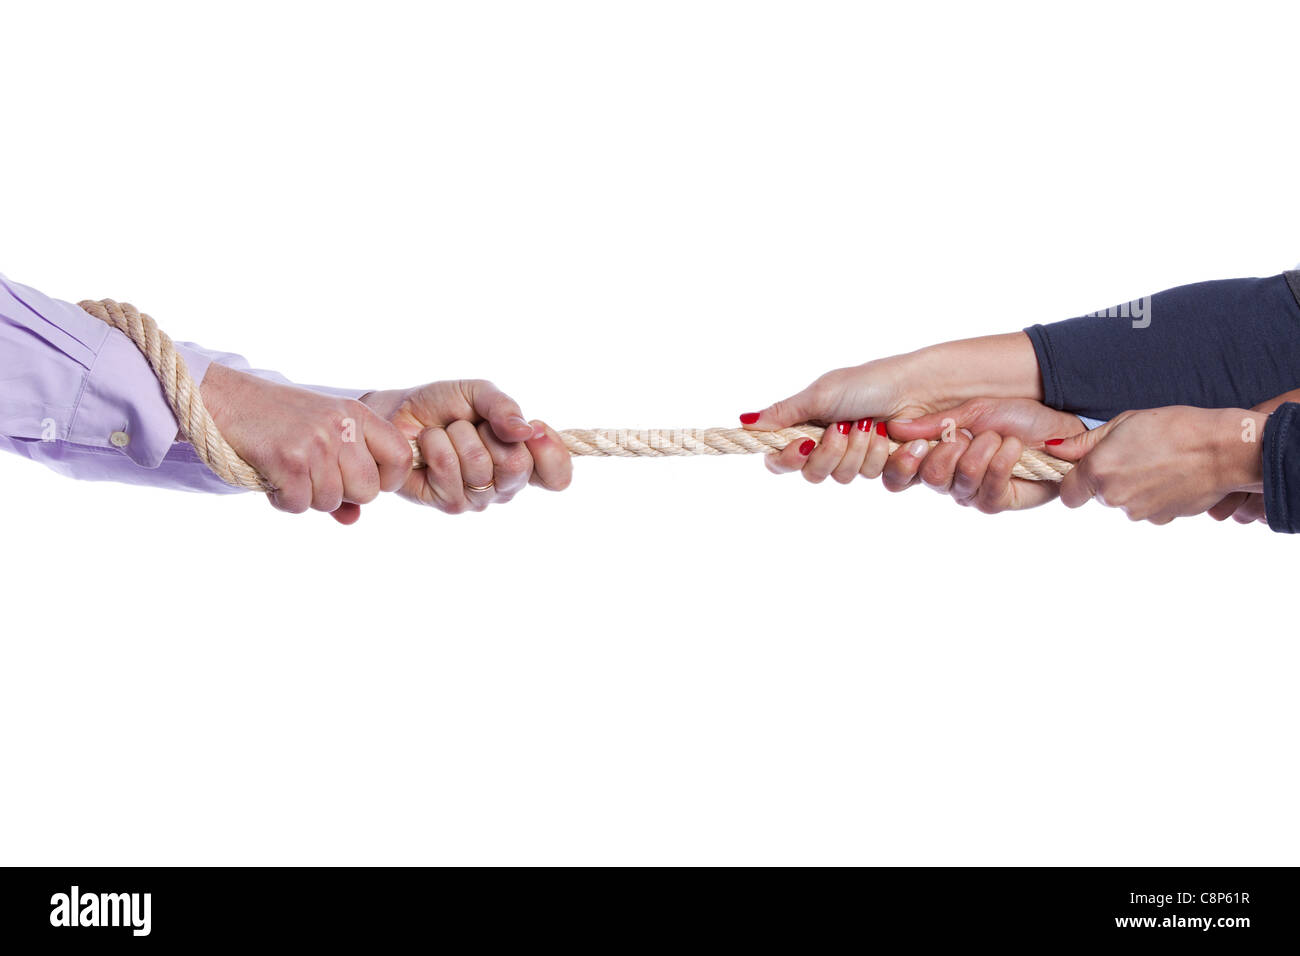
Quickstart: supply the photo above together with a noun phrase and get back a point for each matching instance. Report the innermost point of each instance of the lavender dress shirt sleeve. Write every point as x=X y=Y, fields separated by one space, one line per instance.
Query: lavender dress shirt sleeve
x=77 y=396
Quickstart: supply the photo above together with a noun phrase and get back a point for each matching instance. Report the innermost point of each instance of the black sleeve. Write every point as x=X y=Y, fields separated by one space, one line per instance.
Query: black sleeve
x=1232 y=343
x=1282 y=468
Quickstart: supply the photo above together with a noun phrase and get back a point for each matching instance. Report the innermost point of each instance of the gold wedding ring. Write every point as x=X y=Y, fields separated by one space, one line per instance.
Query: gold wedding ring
x=479 y=487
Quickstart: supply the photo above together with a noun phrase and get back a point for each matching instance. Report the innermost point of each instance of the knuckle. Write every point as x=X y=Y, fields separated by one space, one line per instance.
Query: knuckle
x=444 y=461
x=933 y=472
x=403 y=456
x=824 y=389
x=295 y=460
x=366 y=492
x=518 y=462
x=294 y=501
x=353 y=409
x=975 y=408
x=895 y=483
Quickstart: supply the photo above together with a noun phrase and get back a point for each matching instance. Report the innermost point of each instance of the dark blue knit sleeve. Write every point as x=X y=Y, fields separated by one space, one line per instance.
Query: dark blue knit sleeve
x=1231 y=343
x=1282 y=468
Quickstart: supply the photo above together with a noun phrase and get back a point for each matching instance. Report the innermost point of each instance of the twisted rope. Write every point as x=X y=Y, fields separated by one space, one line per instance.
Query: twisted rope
x=1033 y=465
x=198 y=428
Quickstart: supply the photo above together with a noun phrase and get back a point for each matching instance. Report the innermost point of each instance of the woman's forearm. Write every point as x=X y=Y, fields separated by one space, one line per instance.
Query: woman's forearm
x=991 y=366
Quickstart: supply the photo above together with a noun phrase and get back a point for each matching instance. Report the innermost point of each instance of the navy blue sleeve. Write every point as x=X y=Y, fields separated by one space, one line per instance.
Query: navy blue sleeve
x=1231 y=343
x=1282 y=468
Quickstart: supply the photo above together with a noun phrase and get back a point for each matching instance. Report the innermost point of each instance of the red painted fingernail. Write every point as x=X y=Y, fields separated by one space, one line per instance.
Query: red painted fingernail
x=749 y=418
x=1054 y=441
x=843 y=427
x=807 y=447
x=864 y=424
x=880 y=429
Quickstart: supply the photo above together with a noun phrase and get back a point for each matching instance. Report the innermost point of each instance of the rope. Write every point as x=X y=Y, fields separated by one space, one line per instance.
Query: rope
x=1033 y=465
x=198 y=428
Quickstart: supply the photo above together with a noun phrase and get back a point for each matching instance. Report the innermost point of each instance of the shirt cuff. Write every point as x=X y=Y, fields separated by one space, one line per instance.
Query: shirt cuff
x=1281 y=467
x=122 y=406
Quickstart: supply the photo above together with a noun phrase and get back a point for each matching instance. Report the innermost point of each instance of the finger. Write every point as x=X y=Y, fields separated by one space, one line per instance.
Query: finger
x=326 y=486
x=936 y=424
x=476 y=471
x=1079 y=486
x=835 y=442
x=1079 y=444
x=994 y=493
x=1251 y=510
x=972 y=466
x=360 y=473
x=499 y=410
x=859 y=442
x=900 y=470
x=293 y=494
x=790 y=458
x=346 y=513
x=1227 y=506
x=390 y=451
x=512 y=465
x=440 y=483
x=552 y=463
x=939 y=466
x=877 y=450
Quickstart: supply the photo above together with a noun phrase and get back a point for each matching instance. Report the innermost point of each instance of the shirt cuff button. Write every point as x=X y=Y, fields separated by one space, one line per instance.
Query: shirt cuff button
x=120 y=439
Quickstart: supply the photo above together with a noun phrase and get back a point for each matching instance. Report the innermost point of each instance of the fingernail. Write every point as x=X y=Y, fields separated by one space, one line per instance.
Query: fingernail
x=806 y=448
x=901 y=421
x=864 y=424
x=517 y=421
x=842 y=427
x=539 y=433
x=918 y=448
x=749 y=418
x=880 y=429
x=1054 y=441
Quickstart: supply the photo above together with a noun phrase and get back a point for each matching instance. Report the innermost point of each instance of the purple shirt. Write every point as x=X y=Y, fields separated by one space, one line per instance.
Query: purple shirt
x=77 y=396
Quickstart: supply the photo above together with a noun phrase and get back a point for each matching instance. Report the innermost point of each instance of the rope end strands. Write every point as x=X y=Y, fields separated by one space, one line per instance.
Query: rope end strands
x=198 y=428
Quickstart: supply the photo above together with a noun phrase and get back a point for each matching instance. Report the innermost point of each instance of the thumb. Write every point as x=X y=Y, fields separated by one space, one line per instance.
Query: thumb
x=933 y=425
x=499 y=410
x=346 y=513
x=1076 y=446
x=801 y=407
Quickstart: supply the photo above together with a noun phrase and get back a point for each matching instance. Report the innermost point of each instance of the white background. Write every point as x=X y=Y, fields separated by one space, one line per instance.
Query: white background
x=634 y=215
